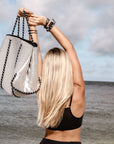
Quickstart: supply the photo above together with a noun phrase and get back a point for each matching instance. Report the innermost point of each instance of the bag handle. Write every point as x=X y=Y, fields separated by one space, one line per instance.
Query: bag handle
x=23 y=26
x=24 y=14
x=17 y=20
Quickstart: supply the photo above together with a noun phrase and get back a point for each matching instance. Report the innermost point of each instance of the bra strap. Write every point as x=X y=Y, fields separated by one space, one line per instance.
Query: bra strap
x=70 y=100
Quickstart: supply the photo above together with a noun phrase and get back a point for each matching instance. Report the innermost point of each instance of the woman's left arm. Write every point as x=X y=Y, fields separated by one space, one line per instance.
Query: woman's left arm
x=35 y=39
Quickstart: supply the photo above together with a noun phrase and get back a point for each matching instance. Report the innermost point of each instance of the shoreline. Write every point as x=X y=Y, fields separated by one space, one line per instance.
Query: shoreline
x=101 y=83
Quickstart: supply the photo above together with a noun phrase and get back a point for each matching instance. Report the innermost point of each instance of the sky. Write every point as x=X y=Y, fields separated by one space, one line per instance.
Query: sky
x=89 y=25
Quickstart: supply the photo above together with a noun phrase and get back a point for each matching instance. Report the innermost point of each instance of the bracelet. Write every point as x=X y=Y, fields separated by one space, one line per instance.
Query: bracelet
x=47 y=21
x=52 y=23
x=48 y=25
x=33 y=30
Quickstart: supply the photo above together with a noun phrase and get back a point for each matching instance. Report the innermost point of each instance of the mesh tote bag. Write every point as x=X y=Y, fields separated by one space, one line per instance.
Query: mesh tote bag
x=19 y=63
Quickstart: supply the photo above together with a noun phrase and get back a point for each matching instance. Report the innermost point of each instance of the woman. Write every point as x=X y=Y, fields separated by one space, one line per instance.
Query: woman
x=61 y=98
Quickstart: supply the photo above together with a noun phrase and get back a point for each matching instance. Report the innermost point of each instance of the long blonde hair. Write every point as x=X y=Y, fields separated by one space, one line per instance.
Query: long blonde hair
x=56 y=87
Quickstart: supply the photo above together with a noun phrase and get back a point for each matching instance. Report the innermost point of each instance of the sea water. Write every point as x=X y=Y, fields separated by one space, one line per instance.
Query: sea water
x=18 y=117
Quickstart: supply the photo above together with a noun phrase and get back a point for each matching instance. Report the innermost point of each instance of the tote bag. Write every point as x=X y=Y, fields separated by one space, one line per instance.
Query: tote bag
x=19 y=63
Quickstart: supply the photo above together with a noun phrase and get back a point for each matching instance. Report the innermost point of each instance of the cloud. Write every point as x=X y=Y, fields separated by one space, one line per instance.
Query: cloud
x=74 y=18
x=98 y=3
x=102 y=42
x=101 y=39
x=6 y=10
x=88 y=24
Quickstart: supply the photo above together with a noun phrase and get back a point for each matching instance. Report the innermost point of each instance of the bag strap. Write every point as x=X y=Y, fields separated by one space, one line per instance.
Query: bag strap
x=18 y=30
x=23 y=26
x=17 y=20
x=24 y=14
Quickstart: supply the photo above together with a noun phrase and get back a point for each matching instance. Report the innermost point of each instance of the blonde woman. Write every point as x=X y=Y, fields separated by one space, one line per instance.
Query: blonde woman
x=61 y=98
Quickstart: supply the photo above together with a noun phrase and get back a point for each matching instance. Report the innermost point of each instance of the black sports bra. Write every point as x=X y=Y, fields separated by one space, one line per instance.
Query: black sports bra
x=69 y=121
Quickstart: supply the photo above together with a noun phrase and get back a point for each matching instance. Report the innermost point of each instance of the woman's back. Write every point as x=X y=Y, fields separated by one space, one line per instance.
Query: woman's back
x=77 y=111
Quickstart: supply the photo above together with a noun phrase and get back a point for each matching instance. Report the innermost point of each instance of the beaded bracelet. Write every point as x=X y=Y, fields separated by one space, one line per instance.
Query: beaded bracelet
x=52 y=23
x=47 y=21
x=48 y=25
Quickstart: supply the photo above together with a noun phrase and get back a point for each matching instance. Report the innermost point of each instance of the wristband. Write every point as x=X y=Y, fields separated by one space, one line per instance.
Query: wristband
x=48 y=26
x=47 y=21
x=52 y=23
x=33 y=31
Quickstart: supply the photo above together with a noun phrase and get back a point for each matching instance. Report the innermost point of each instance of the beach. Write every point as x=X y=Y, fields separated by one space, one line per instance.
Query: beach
x=18 y=117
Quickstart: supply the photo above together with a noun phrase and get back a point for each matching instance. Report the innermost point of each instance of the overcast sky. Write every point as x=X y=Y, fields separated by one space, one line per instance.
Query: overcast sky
x=89 y=24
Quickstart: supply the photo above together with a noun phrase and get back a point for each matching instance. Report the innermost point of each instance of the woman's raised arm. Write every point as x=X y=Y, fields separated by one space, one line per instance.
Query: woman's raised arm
x=79 y=85
x=67 y=45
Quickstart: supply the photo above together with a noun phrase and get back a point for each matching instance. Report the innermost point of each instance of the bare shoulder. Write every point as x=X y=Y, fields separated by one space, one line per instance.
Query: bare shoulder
x=78 y=101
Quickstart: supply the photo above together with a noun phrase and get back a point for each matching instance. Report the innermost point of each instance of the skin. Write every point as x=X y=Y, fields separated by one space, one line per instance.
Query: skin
x=78 y=101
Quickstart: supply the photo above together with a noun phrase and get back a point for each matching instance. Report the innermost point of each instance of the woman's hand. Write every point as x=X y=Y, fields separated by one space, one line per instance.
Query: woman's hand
x=21 y=10
x=35 y=20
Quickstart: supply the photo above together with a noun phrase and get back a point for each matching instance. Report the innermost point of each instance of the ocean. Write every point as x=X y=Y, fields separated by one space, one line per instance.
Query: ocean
x=18 y=117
